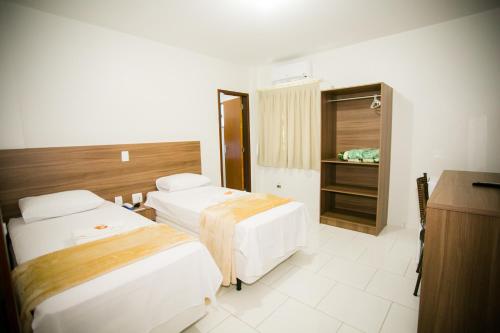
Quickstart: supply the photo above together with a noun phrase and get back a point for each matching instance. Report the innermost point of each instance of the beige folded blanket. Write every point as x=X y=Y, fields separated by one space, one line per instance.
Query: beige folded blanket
x=218 y=222
x=45 y=276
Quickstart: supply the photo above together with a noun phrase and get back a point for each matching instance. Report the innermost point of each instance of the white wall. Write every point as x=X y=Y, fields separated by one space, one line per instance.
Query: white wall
x=446 y=113
x=63 y=82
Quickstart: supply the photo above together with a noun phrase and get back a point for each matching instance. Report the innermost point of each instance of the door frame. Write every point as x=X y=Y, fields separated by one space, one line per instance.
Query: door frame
x=247 y=171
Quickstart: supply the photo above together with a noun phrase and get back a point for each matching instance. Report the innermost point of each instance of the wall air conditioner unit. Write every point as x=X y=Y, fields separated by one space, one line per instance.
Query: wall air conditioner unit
x=289 y=72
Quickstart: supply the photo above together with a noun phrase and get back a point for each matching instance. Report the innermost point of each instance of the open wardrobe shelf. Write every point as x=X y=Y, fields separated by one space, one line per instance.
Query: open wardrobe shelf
x=337 y=161
x=351 y=218
x=354 y=191
x=363 y=191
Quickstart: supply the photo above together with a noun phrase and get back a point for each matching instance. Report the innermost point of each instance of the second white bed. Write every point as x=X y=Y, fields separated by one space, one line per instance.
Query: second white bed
x=165 y=291
x=260 y=242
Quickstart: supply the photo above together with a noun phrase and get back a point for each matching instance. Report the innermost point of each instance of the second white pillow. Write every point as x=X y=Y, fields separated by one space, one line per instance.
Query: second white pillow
x=181 y=181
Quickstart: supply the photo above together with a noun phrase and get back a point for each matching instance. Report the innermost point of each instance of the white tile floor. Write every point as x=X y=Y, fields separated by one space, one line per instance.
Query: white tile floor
x=343 y=282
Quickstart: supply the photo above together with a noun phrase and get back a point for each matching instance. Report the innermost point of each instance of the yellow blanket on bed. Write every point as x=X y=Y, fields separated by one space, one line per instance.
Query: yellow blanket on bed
x=50 y=274
x=217 y=227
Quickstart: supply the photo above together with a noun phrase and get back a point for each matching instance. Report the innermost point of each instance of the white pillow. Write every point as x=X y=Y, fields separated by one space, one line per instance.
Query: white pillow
x=181 y=181
x=58 y=204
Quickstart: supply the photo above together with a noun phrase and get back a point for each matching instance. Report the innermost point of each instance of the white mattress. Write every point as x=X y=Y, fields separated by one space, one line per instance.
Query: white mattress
x=260 y=242
x=134 y=298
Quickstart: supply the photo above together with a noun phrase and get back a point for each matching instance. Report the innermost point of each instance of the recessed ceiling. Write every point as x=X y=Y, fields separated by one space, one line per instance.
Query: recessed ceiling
x=261 y=31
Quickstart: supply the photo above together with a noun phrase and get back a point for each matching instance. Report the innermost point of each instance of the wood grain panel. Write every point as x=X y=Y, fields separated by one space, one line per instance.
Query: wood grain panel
x=233 y=141
x=385 y=156
x=323 y=202
x=351 y=124
x=354 y=91
x=356 y=203
x=338 y=216
x=455 y=192
x=357 y=175
x=147 y=212
x=328 y=174
x=35 y=171
x=461 y=273
x=337 y=161
x=247 y=156
x=348 y=221
x=352 y=190
x=358 y=126
x=328 y=127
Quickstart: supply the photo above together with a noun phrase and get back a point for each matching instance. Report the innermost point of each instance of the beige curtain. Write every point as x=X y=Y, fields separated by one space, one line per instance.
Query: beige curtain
x=290 y=127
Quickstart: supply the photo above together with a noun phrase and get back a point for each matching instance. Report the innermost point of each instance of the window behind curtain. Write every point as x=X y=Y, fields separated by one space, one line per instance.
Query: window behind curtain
x=289 y=127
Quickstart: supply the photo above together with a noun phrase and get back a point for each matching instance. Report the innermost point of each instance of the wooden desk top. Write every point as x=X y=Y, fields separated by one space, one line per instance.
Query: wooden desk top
x=455 y=192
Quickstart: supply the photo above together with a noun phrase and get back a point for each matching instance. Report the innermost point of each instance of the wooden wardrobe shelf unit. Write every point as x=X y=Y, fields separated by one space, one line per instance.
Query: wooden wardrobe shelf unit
x=355 y=195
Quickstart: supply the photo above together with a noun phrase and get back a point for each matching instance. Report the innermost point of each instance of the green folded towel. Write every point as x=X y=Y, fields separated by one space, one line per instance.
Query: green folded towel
x=367 y=155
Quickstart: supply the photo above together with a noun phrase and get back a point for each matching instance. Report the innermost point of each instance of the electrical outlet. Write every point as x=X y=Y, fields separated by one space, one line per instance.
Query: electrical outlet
x=136 y=197
x=119 y=200
x=125 y=156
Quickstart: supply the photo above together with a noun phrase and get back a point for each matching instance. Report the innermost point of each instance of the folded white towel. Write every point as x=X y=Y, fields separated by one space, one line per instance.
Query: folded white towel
x=221 y=197
x=96 y=232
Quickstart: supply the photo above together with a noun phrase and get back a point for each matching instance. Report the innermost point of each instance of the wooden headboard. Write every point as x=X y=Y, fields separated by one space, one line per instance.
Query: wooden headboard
x=35 y=171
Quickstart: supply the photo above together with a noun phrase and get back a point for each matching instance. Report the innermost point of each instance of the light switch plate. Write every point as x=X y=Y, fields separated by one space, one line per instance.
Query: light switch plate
x=136 y=197
x=125 y=156
x=119 y=200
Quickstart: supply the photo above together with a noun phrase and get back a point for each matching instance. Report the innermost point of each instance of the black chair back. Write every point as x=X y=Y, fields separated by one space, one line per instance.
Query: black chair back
x=423 y=196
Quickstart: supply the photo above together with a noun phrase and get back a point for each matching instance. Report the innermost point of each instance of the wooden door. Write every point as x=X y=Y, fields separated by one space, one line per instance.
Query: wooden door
x=233 y=141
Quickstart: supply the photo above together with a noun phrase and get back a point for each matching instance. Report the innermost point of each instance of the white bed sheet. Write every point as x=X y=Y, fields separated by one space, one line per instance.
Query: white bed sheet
x=134 y=298
x=260 y=242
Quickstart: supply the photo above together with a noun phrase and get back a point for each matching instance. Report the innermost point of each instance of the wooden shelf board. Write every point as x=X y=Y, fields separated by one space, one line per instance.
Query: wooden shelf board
x=351 y=217
x=355 y=89
x=351 y=220
x=363 y=191
x=337 y=161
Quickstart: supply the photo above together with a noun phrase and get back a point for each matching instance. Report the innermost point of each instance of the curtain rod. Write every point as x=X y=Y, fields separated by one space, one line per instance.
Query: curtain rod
x=292 y=84
x=352 y=98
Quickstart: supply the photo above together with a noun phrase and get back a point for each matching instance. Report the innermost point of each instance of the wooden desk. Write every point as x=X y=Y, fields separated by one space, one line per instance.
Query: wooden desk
x=461 y=269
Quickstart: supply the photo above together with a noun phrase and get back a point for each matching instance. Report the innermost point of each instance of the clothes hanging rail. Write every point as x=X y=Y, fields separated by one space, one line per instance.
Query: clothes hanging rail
x=353 y=98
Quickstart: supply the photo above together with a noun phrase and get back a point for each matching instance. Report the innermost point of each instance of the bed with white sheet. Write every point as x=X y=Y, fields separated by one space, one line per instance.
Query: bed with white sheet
x=164 y=292
x=260 y=242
